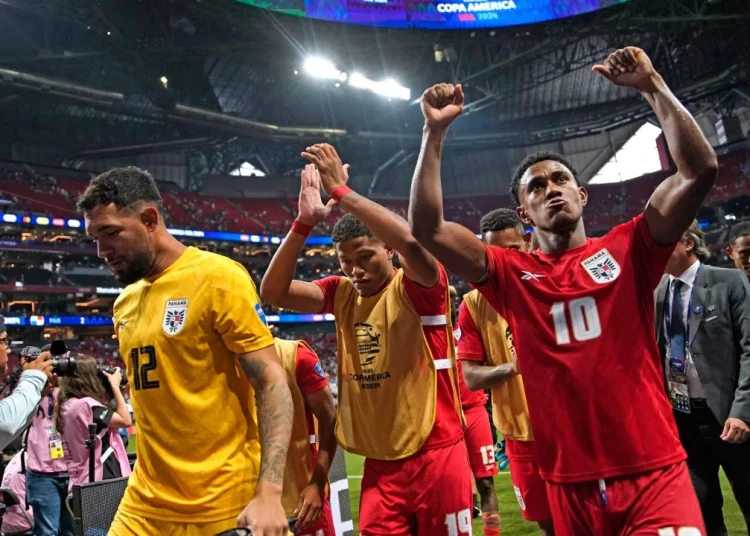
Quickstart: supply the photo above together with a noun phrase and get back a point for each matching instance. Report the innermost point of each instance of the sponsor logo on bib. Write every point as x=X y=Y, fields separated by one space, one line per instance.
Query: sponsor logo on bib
x=368 y=343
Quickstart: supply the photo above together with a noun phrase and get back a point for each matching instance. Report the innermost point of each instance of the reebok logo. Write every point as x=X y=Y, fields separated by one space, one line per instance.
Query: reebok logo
x=528 y=276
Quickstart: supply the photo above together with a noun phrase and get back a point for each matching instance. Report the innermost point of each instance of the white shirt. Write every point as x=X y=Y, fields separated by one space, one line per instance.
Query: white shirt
x=695 y=389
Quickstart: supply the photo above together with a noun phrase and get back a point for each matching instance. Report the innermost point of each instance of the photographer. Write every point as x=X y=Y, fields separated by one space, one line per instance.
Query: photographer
x=17 y=410
x=46 y=469
x=82 y=400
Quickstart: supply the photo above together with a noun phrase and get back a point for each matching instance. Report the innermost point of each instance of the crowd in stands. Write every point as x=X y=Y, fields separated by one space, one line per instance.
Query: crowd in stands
x=29 y=191
x=25 y=190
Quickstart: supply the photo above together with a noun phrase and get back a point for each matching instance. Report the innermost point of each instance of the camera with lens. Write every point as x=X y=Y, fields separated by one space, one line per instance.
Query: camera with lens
x=62 y=364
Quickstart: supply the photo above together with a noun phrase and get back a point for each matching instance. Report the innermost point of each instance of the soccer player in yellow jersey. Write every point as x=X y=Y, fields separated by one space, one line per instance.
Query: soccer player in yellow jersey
x=187 y=322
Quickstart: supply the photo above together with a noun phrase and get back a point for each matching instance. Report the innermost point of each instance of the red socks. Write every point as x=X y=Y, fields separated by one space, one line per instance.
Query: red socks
x=491 y=522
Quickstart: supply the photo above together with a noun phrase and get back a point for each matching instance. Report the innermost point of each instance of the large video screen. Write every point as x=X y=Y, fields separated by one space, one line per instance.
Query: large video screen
x=434 y=14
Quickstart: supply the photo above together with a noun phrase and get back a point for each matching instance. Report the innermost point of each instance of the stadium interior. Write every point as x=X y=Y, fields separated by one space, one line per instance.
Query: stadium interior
x=217 y=99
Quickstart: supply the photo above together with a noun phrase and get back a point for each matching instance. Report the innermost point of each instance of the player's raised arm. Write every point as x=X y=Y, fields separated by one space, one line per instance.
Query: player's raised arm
x=386 y=225
x=279 y=288
x=311 y=499
x=676 y=201
x=455 y=246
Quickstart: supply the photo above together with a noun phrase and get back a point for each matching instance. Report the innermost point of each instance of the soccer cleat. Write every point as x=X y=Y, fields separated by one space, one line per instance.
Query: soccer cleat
x=477 y=510
x=500 y=457
x=499 y=450
x=503 y=463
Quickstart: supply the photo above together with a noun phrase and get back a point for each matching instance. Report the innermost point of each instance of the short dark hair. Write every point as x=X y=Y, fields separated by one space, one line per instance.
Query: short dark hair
x=500 y=219
x=739 y=230
x=124 y=187
x=347 y=228
x=532 y=159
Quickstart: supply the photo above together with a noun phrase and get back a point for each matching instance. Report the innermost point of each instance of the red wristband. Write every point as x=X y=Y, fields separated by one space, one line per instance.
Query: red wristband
x=340 y=192
x=301 y=228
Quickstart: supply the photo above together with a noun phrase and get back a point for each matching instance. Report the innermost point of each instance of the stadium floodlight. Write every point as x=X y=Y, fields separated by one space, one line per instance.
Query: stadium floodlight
x=387 y=88
x=359 y=81
x=390 y=88
x=322 y=68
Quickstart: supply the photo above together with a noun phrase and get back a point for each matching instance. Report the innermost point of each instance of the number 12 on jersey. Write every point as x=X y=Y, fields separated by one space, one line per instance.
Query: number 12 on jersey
x=141 y=367
x=584 y=317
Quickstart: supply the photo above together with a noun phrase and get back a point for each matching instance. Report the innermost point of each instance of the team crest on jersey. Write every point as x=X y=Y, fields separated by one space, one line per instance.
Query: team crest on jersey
x=457 y=334
x=368 y=343
x=174 y=316
x=602 y=267
x=319 y=370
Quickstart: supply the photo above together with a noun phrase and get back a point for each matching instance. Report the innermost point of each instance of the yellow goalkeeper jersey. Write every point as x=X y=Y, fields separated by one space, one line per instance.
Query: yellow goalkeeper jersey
x=197 y=443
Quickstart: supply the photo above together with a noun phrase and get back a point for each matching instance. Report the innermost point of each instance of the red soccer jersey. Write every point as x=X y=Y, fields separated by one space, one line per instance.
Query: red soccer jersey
x=310 y=379
x=471 y=348
x=584 y=326
x=447 y=429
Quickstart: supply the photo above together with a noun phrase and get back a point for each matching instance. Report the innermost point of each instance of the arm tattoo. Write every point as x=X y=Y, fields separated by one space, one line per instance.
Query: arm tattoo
x=275 y=412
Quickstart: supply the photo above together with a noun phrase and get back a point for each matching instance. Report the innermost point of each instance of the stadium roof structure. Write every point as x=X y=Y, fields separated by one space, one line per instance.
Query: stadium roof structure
x=115 y=78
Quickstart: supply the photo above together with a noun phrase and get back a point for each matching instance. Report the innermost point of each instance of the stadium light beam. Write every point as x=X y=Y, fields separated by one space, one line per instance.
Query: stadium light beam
x=322 y=68
x=387 y=88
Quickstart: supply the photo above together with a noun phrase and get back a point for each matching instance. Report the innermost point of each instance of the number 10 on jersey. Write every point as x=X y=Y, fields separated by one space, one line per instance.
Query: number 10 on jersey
x=584 y=318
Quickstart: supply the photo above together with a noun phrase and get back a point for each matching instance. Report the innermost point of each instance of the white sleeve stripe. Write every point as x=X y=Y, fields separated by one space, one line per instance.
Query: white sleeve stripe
x=437 y=320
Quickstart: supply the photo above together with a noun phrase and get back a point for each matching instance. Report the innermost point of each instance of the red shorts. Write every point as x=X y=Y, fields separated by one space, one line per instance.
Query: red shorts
x=324 y=525
x=531 y=490
x=428 y=494
x=479 y=443
x=657 y=503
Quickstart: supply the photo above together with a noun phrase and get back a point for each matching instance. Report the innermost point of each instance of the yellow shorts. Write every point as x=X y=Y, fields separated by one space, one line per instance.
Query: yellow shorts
x=132 y=525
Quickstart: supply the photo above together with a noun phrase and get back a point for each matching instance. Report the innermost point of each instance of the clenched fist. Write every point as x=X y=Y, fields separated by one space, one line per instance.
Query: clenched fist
x=442 y=104
x=629 y=67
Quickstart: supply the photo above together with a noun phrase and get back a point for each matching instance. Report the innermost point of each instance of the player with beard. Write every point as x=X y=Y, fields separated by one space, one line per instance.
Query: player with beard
x=187 y=322
x=398 y=398
x=583 y=311
x=487 y=356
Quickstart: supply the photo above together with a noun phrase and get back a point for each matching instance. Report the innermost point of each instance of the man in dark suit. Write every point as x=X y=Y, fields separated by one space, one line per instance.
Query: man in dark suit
x=703 y=331
x=738 y=249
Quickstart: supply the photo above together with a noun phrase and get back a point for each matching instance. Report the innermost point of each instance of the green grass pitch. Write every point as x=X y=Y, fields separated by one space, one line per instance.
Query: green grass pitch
x=511 y=522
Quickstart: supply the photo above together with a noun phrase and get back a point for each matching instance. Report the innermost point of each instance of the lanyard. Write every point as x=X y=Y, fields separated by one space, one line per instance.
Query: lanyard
x=50 y=408
x=668 y=312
